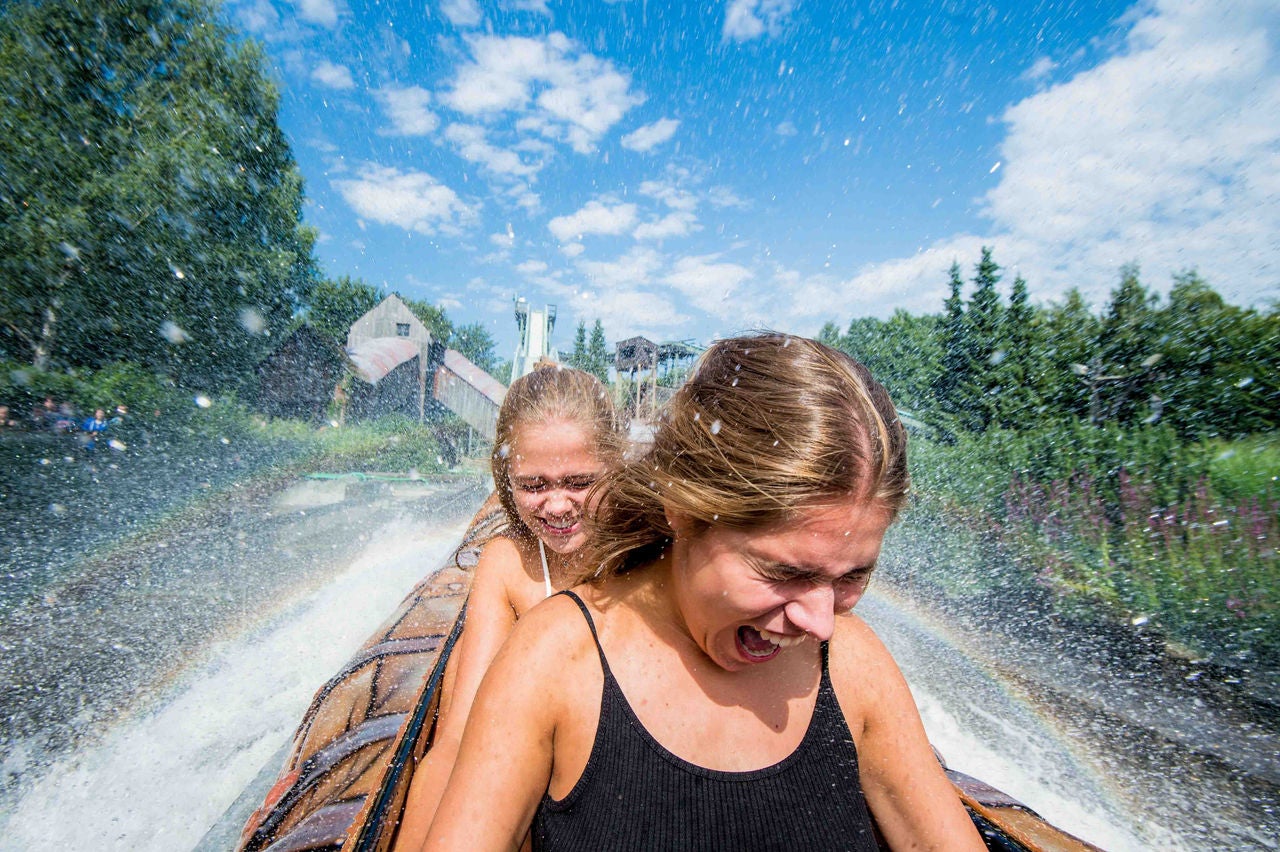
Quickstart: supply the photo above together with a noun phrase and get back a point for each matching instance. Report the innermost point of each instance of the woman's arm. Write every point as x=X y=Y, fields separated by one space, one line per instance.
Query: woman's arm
x=913 y=803
x=505 y=761
x=490 y=617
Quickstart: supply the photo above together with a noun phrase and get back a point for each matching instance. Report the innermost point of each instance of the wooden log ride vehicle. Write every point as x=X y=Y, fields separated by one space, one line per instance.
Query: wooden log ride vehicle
x=344 y=783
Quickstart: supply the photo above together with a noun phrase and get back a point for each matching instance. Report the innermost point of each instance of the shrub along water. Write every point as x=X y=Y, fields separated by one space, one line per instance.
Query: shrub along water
x=1126 y=525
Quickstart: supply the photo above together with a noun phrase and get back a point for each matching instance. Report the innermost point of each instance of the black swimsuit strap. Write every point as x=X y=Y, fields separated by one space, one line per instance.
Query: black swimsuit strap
x=604 y=664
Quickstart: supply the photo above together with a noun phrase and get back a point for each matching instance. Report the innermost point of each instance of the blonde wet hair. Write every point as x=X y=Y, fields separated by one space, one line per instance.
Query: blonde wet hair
x=766 y=426
x=551 y=392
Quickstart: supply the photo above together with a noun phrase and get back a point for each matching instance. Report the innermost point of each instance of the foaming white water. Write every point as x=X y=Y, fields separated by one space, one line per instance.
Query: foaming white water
x=160 y=780
x=983 y=730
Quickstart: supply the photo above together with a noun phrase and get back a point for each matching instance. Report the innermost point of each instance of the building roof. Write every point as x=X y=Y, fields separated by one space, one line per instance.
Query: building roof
x=377 y=356
x=457 y=363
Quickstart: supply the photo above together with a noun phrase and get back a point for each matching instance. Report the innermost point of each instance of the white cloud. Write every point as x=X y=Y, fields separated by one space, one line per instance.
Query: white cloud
x=258 y=16
x=707 y=282
x=1167 y=155
x=532 y=267
x=555 y=90
x=745 y=20
x=675 y=224
x=323 y=12
x=572 y=249
x=1039 y=70
x=332 y=75
x=651 y=135
x=723 y=196
x=474 y=147
x=414 y=201
x=462 y=13
x=537 y=6
x=669 y=194
x=594 y=218
x=407 y=109
x=634 y=269
x=785 y=128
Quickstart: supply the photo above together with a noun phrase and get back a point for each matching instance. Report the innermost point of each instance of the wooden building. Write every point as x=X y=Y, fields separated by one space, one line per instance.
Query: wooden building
x=298 y=378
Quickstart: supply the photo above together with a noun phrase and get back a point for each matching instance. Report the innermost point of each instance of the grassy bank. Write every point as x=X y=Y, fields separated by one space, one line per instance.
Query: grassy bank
x=1128 y=528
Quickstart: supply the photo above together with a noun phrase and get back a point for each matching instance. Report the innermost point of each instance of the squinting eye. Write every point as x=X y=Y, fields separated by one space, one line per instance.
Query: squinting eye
x=581 y=484
x=532 y=487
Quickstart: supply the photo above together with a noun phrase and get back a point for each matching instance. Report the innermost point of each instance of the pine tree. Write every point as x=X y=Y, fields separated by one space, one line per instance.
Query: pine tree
x=578 y=358
x=598 y=354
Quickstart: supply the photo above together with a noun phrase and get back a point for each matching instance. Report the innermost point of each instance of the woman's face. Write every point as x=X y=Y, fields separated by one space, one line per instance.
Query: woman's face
x=746 y=596
x=552 y=466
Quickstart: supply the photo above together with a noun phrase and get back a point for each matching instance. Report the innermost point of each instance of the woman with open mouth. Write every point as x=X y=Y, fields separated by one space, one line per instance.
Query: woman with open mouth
x=709 y=687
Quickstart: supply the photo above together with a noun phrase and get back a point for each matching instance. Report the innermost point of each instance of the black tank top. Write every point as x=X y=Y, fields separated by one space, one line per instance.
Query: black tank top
x=634 y=794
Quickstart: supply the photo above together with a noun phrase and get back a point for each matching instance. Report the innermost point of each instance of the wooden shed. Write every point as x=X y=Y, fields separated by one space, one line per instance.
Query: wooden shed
x=297 y=378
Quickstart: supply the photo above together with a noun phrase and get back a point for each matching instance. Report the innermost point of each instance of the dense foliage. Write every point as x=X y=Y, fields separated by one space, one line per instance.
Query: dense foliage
x=149 y=202
x=1126 y=463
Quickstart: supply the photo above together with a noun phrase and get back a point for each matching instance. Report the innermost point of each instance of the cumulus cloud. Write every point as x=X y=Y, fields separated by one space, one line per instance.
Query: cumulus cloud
x=676 y=224
x=594 y=218
x=472 y=145
x=462 y=13
x=1167 y=155
x=651 y=135
x=322 y=12
x=745 y=20
x=407 y=109
x=415 y=201
x=707 y=282
x=554 y=87
x=258 y=16
x=669 y=194
x=332 y=75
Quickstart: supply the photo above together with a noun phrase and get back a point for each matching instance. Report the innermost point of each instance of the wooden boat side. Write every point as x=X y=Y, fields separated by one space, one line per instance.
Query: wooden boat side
x=344 y=783
x=352 y=754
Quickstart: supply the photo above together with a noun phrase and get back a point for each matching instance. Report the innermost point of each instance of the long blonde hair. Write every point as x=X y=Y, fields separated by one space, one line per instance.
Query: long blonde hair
x=767 y=425
x=551 y=392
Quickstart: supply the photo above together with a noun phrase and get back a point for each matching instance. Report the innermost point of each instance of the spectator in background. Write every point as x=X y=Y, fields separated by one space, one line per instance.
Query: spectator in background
x=95 y=429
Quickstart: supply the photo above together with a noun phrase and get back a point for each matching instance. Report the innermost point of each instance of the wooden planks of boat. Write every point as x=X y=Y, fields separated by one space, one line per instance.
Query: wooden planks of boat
x=344 y=782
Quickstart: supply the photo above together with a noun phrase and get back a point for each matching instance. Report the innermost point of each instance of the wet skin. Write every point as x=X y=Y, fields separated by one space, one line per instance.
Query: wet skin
x=747 y=596
x=552 y=468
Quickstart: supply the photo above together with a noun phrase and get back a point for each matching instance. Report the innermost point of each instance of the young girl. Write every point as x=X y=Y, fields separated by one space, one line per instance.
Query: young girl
x=556 y=435
x=709 y=688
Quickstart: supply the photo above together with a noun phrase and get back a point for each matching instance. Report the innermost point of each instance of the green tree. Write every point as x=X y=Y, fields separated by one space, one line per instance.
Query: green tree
x=336 y=303
x=1069 y=331
x=433 y=318
x=952 y=337
x=1017 y=403
x=1120 y=377
x=476 y=343
x=598 y=353
x=578 y=358
x=149 y=203
x=1220 y=372
x=984 y=345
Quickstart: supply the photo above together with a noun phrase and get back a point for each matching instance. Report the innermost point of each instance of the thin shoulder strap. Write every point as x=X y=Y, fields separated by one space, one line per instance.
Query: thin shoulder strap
x=546 y=575
x=591 y=624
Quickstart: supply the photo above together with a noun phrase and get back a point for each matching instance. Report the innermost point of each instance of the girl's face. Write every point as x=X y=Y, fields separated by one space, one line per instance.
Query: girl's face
x=747 y=596
x=552 y=465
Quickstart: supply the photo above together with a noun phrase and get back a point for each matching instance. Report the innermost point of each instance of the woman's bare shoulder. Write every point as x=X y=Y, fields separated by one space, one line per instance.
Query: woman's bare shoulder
x=551 y=638
x=505 y=558
x=864 y=675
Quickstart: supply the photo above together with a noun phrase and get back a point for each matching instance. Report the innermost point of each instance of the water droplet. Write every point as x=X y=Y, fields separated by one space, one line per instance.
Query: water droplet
x=715 y=428
x=203 y=401
x=170 y=331
x=252 y=321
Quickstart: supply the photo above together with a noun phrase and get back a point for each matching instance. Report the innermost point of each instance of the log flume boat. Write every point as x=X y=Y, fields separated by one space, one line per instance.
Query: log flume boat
x=344 y=782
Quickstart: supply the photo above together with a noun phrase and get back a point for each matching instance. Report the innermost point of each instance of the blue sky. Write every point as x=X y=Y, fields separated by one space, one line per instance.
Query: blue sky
x=691 y=170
